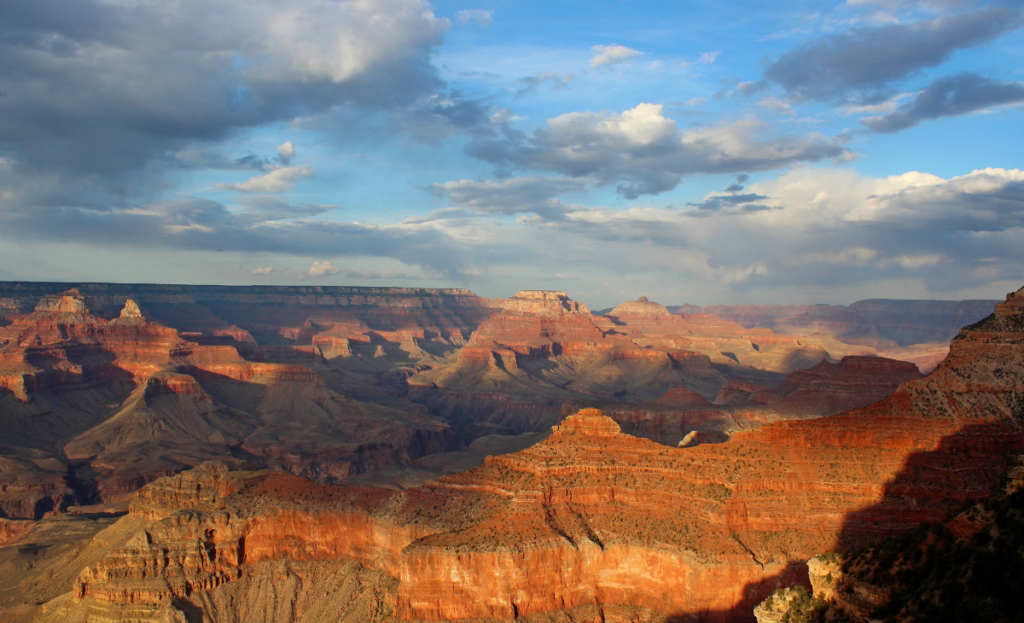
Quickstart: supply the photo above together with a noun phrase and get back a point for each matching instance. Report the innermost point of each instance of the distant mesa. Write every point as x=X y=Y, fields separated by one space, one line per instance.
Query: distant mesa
x=545 y=302
x=640 y=307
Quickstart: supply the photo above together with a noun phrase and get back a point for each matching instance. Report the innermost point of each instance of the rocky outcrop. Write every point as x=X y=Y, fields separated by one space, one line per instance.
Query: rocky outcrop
x=11 y=531
x=32 y=483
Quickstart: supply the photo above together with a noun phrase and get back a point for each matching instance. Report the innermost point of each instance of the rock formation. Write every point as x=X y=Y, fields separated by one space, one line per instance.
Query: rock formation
x=93 y=409
x=543 y=349
x=329 y=382
x=318 y=384
x=591 y=517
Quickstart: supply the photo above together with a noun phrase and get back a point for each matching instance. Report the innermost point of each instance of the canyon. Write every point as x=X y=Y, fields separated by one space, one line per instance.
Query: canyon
x=104 y=387
x=692 y=467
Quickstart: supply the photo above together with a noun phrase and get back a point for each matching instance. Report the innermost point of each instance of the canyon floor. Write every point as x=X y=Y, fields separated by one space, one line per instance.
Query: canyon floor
x=247 y=454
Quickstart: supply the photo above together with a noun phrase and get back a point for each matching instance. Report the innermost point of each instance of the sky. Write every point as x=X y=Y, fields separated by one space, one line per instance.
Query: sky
x=700 y=152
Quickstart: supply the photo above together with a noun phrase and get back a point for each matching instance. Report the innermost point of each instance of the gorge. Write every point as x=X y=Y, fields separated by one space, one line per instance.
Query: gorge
x=692 y=467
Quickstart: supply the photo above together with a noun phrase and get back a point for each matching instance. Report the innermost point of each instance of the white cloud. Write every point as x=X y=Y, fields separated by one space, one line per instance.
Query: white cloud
x=480 y=17
x=918 y=261
x=285 y=153
x=141 y=79
x=874 y=109
x=320 y=39
x=777 y=105
x=320 y=269
x=637 y=127
x=822 y=228
x=706 y=58
x=605 y=55
x=190 y=227
x=643 y=152
x=277 y=181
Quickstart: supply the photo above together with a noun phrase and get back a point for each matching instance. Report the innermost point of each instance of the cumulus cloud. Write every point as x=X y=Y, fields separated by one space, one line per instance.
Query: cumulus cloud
x=643 y=152
x=605 y=55
x=319 y=269
x=100 y=88
x=861 y=63
x=285 y=153
x=480 y=17
x=824 y=228
x=276 y=181
x=948 y=97
x=268 y=270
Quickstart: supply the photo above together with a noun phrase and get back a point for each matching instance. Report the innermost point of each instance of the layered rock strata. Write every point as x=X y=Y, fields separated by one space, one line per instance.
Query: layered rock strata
x=543 y=349
x=95 y=408
x=592 y=517
x=278 y=314
x=824 y=389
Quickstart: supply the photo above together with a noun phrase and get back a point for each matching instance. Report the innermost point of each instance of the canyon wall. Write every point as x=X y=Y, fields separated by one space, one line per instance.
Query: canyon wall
x=95 y=408
x=591 y=516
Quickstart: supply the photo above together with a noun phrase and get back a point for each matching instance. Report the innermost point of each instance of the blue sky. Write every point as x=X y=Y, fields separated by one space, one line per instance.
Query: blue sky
x=707 y=153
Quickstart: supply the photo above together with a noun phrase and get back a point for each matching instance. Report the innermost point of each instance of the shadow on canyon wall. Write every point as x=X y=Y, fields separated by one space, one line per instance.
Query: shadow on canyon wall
x=966 y=465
